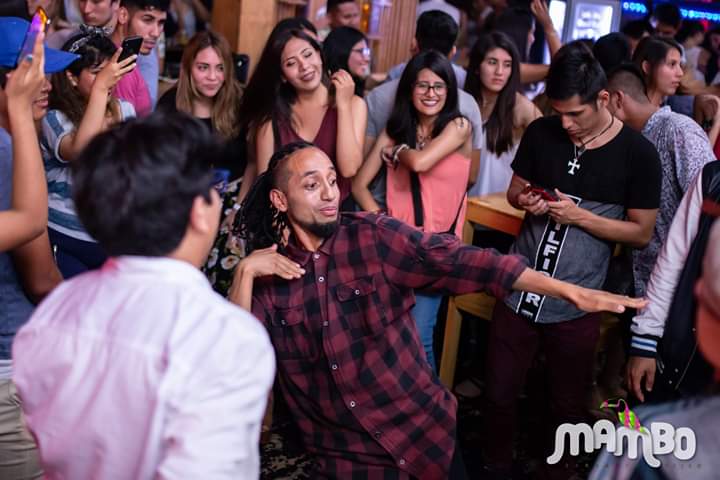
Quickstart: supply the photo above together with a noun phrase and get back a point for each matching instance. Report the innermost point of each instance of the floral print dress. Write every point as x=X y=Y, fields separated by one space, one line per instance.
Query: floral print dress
x=228 y=249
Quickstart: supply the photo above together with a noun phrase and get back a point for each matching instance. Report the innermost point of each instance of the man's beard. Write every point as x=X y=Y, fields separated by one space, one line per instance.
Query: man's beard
x=321 y=230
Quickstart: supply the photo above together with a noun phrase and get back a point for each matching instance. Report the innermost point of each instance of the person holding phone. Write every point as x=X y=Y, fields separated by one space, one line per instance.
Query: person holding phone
x=607 y=177
x=146 y=19
x=81 y=106
x=23 y=217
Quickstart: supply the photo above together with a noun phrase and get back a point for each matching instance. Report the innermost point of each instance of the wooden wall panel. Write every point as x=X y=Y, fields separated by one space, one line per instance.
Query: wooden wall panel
x=392 y=32
x=246 y=24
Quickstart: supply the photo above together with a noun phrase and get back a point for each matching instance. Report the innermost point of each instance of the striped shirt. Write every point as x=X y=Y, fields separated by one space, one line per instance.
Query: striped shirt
x=61 y=215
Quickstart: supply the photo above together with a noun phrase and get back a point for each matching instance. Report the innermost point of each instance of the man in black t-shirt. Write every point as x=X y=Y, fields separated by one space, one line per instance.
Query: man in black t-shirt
x=586 y=182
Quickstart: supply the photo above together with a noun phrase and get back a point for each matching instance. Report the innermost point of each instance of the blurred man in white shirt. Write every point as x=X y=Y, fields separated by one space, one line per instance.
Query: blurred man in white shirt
x=139 y=370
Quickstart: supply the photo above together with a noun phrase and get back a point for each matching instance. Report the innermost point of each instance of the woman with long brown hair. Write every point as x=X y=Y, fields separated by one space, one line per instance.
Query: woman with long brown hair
x=208 y=90
x=291 y=97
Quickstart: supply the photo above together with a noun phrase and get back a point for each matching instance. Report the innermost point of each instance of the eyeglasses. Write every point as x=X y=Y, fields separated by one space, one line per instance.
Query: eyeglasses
x=365 y=51
x=424 y=87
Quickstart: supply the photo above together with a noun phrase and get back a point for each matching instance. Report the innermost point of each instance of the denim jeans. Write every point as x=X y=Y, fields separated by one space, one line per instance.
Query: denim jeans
x=425 y=313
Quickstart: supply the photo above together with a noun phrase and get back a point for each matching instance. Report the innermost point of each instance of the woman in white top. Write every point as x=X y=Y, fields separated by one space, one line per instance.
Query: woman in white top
x=494 y=80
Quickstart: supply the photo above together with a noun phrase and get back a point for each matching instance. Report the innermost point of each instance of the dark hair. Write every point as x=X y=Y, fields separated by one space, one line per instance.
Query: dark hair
x=628 y=78
x=499 y=127
x=516 y=23
x=259 y=222
x=3 y=76
x=337 y=48
x=669 y=14
x=574 y=71
x=637 y=29
x=611 y=50
x=162 y=5
x=134 y=185
x=436 y=30
x=333 y=4
x=295 y=23
x=688 y=29
x=402 y=124
x=653 y=50
x=267 y=96
x=93 y=49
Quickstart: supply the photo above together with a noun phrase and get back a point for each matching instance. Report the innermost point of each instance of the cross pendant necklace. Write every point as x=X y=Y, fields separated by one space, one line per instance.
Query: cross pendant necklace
x=573 y=164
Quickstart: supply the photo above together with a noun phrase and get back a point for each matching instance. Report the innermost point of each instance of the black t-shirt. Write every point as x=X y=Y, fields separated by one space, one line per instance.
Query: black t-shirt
x=622 y=174
x=625 y=171
x=235 y=155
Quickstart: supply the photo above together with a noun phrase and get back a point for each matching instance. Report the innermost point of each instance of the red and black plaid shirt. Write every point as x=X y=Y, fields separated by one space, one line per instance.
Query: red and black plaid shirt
x=350 y=363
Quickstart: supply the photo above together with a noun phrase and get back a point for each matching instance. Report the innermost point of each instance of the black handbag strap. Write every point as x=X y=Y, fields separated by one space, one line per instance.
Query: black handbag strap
x=418 y=205
x=417 y=199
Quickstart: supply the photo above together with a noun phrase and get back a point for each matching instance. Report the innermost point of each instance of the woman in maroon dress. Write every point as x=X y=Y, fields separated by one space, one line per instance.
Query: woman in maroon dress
x=290 y=97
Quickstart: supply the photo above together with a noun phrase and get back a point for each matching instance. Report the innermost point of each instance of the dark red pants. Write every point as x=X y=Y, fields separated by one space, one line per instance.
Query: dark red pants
x=569 y=348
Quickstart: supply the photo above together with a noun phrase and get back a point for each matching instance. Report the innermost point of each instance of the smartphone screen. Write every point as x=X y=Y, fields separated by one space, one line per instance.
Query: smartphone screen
x=37 y=24
x=130 y=46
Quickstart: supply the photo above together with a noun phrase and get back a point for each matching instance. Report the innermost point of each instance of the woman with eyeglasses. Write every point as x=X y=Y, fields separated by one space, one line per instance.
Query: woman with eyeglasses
x=426 y=147
x=346 y=48
x=291 y=97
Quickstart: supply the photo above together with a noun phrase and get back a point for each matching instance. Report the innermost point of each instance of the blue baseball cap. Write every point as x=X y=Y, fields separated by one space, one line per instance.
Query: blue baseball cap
x=12 y=34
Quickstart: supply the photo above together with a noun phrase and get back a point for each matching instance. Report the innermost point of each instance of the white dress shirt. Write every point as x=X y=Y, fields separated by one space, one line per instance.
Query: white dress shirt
x=139 y=371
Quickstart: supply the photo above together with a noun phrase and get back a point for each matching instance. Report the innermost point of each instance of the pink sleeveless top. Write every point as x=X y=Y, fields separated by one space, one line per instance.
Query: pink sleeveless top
x=325 y=140
x=442 y=189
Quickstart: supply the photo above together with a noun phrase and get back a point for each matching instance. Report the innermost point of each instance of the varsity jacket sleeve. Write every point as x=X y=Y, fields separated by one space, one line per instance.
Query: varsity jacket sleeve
x=648 y=326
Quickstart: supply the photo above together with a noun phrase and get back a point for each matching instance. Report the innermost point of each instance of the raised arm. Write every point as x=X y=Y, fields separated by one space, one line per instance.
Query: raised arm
x=540 y=9
x=352 y=121
x=455 y=134
x=93 y=121
x=366 y=174
x=27 y=217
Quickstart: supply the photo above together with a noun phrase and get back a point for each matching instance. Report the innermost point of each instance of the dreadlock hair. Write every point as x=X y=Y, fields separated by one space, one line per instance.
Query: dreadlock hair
x=259 y=222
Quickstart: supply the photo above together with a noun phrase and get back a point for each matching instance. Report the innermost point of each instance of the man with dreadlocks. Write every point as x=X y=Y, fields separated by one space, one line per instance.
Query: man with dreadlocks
x=336 y=292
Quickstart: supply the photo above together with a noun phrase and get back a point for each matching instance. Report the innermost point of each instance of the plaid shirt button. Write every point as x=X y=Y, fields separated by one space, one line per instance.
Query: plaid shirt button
x=352 y=403
x=334 y=366
x=316 y=256
x=378 y=434
x=357 y=292
x=321 y=279
x=326 y=323
x=402 y=461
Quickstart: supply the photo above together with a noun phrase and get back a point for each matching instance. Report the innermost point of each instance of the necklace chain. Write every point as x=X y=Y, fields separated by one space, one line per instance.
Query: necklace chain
x=583 y=148
x=574 y=164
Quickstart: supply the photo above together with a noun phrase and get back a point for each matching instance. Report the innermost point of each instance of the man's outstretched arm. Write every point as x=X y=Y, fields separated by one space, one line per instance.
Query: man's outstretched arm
x=585 y=299
x=443 y=264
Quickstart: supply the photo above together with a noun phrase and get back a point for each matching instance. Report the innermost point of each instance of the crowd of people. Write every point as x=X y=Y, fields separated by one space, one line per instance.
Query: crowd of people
x=168 y=255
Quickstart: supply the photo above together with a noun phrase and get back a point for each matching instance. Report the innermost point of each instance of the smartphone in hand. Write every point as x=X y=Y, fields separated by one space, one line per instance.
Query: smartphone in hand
x=130 y=46
x=545 y=194
x=38 y=24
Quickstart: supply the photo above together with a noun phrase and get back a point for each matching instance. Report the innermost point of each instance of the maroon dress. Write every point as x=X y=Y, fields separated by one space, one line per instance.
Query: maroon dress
x=325 y=140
